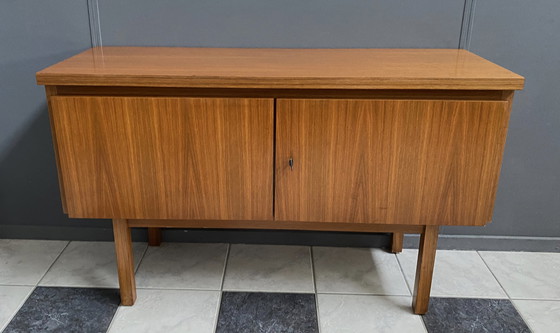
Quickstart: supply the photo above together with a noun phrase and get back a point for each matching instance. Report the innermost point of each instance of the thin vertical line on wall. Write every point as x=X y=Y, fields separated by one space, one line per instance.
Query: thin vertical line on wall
x=94 y=24
x=467 y=24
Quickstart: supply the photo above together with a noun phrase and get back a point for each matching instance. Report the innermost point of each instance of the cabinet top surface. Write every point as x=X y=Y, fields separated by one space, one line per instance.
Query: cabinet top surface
x=281 y=69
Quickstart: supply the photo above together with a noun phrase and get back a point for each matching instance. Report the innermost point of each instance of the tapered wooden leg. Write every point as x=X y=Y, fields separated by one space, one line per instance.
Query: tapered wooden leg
x=125 y=261
x=397 y=242
x=425 y=269
x=154 y=236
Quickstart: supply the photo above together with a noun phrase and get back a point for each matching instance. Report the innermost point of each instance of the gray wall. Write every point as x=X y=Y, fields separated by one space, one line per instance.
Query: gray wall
x=517 y=34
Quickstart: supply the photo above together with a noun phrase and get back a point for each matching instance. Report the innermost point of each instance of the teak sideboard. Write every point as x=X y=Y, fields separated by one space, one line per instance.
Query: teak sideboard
x=364 y=140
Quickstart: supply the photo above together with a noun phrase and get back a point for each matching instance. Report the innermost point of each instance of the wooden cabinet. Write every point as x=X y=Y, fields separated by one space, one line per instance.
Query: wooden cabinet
x=388 y=161
x=165 y=158
x=398 y=141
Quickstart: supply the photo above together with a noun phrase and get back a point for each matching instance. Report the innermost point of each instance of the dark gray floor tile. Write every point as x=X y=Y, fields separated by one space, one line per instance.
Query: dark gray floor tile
x=267 y=312
x=54 y=309
x=454 y=315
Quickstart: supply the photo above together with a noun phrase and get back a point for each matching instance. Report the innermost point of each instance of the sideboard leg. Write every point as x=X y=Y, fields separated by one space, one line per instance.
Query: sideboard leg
x=125 y=261
x=425 y=269
x=397 y=242
x=154 y=236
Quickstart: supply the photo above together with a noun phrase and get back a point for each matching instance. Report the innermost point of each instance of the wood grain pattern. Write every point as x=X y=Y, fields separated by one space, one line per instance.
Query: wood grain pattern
x=277 y=225
x=397 y=242
x=281 y=68
x=396 y=141
x=389 y=162
x=169 y=158
x=125 y=261
x=425 y=269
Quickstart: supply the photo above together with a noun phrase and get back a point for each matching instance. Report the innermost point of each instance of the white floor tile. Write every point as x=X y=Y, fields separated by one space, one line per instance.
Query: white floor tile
x=183 y=266
x=168 y=311
x=456 y=274
x=357 y=271
x=526 y=274
x=360 y=313
x=541 y=316
x=11 y=299
x=272 y=268
x=24 y=262
x=88 y=264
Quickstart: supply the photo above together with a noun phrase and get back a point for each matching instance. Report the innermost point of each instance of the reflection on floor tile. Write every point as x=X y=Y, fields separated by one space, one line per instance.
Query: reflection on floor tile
x=183 y=266
x=541 y=316
x=11 y=298
x=361 y=313
x=168 y=311
x=24 y=262
x=456 y=274
x=88 y=264
x=267 y=312
x=357 y=271
x=66 y=310
x=269 y=268
x=526 y=274
x=449 y=315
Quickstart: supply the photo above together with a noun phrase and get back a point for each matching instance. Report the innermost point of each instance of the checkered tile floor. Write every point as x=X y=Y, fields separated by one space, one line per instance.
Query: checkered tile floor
x=58 y=286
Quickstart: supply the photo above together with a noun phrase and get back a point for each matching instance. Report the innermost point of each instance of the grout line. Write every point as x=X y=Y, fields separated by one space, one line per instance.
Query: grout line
x=521 y=315
x=175 y=289
x=499 y=283
x=83 y=286
x=423 y=322
x=491 y=237
x=472 y=297
x=357 y=294
x=52 y=264
x=275 y=291
x=228 y=250
x=220 y=291
x=403 y=275
x=217 y=311
x=79 y=286
x=494 y=275
x=312 y=270
x=315 y=293
x=140 y=260
x=537 y=299
x=18 y=308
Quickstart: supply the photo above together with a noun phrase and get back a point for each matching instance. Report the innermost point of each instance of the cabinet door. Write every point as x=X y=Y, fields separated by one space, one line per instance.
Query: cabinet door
x=165 y=158
x=388 y=161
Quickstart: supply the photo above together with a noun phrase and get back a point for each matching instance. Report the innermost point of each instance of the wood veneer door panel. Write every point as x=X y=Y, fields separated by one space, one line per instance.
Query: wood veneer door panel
x=168 y=158
x=388 y=161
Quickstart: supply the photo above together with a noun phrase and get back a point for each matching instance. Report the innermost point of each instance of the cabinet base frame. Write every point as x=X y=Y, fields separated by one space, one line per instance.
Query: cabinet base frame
x=277 y=225
x=397 y=242
x=154 y=236
x=125 y=261
x=424 y=268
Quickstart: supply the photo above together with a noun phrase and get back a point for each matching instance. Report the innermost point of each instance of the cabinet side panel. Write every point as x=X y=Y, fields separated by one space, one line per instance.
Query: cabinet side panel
x=387 y=161
x=50 y=92
x=168 y=158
